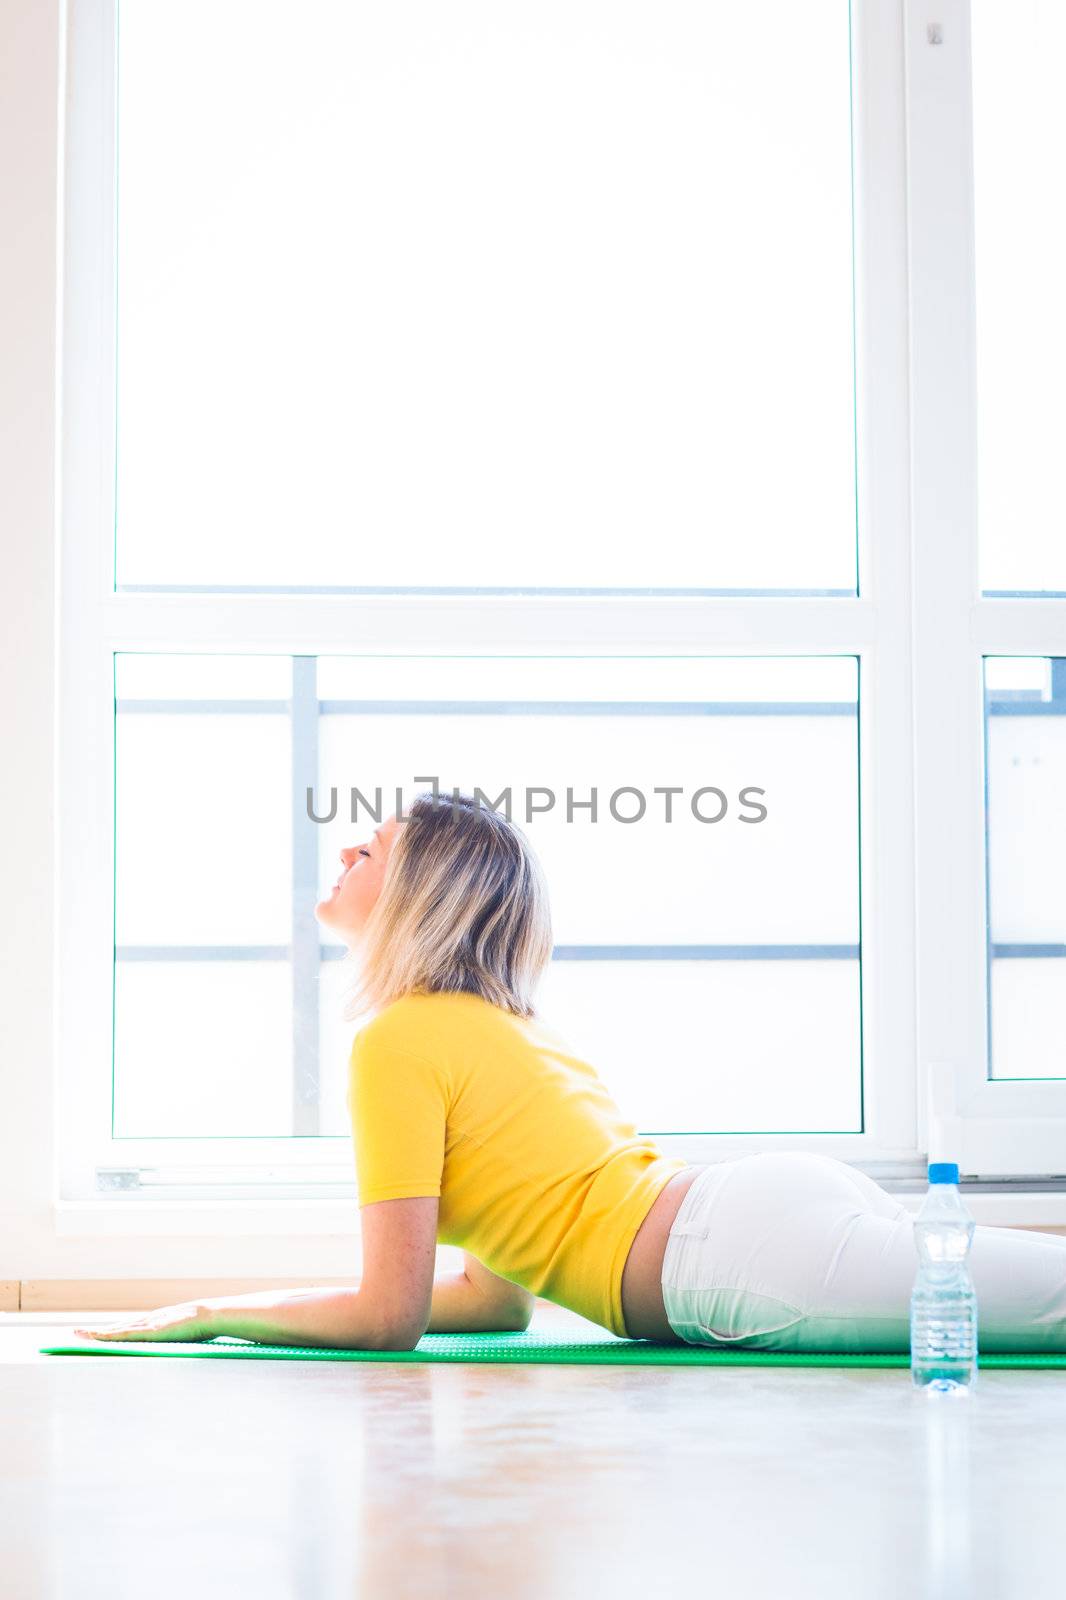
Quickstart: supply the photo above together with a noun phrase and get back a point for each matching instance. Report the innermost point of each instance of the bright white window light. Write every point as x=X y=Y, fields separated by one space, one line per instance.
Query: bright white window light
x=485 y=294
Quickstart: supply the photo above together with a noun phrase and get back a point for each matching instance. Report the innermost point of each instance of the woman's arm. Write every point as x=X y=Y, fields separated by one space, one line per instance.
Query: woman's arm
x=389 y=1310
x=473 y=1300
x=339 y=1319
x=476 y=1300
x=394 y=1303
x=332 y=1319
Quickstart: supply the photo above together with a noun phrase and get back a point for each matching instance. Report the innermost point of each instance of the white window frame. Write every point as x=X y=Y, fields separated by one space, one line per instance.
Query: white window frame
x=923 y=957
x=995 y=1126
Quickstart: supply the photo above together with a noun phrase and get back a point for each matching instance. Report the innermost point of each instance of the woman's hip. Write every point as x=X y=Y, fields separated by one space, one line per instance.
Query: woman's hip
x=766 y=1245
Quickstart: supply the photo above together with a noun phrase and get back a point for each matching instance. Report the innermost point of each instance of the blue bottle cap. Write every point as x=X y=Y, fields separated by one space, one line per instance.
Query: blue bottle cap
x=943 y=1172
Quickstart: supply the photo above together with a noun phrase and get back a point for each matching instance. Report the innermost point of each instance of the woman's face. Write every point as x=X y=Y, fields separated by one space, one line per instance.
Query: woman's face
x=352 y=897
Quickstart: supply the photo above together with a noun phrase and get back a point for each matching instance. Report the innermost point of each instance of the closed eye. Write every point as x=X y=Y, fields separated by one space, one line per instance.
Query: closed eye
x=363 y=852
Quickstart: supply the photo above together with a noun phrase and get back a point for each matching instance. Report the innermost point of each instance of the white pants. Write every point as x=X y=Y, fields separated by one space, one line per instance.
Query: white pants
x=796 y=1251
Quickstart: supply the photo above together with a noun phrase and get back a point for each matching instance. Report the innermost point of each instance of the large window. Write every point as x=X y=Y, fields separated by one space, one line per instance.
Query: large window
x=552 y=401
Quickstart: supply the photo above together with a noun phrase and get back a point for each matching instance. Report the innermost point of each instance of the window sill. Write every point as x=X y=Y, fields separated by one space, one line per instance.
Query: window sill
x=181 y=1217
x=1014 y=1208
x=126 y=1217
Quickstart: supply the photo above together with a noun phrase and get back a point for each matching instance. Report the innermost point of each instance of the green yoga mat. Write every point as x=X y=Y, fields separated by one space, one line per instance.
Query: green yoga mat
x=595 y=1349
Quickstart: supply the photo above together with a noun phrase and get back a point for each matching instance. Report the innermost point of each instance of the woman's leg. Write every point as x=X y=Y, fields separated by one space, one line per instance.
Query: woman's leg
x=797 y=1251
x=1019 y=1280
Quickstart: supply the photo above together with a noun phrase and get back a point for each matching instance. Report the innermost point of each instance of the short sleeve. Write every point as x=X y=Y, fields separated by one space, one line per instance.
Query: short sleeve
x=398 y=1103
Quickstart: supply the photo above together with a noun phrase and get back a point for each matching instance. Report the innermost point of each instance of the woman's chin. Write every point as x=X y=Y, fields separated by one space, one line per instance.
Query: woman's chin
x=325 y=913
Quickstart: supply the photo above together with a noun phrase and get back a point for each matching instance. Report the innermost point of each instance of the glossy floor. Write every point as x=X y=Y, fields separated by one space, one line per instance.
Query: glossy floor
x=292 y=1481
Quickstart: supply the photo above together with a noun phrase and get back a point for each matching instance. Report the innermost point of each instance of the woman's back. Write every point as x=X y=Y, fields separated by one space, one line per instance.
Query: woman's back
x=539 y=1174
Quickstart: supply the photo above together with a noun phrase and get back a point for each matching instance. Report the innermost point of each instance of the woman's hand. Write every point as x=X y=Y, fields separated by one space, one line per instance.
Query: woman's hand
x=188 y=1322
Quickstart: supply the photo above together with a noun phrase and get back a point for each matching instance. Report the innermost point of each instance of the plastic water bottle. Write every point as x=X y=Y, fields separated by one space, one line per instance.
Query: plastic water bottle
x=943 y=1304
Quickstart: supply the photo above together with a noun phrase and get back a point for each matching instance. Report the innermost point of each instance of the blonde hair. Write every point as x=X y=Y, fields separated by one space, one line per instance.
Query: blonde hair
x=463 y=907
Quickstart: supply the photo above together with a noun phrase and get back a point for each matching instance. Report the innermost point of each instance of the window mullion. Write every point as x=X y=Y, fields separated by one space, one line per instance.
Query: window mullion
x=990 y=1128
x=885 y=582
x=469 y=624
x=950 y=857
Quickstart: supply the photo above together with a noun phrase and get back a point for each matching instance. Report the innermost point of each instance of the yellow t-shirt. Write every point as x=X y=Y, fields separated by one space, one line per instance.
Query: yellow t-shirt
x=539 y=1174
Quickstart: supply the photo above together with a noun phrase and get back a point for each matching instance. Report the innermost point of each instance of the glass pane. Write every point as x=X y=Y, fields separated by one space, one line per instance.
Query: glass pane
x=203 y=828
x=203 y=1049
x=203 y=895
x=1029 y=1018
x=717 y=1046
x=485 y=295
x=1025 y=701
x=202 y=677
x=768 y=909
x=335 y=1045
x=1019 y=56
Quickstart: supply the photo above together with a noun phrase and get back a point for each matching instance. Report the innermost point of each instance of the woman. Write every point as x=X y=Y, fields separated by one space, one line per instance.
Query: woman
x=474 y=1124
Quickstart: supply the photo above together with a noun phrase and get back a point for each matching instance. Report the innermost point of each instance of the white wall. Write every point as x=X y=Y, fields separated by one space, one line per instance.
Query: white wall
x=29 y=92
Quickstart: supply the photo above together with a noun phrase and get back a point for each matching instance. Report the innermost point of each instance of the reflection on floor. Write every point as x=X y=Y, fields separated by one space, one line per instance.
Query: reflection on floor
x=285 y=1480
